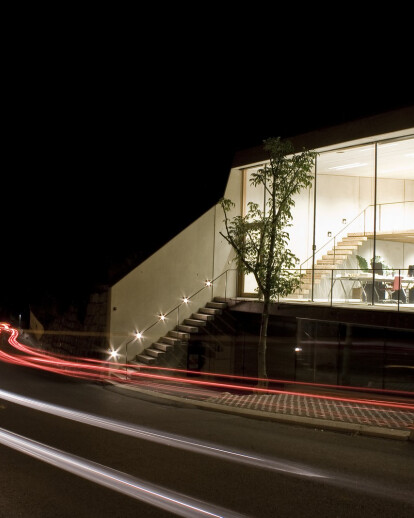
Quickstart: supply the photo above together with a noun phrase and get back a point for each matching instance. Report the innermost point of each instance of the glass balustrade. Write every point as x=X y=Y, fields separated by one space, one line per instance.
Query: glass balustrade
x=384 y=287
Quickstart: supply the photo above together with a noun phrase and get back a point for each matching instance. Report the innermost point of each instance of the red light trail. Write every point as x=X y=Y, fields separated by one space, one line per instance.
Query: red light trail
x=161 y=497
x=100 y=370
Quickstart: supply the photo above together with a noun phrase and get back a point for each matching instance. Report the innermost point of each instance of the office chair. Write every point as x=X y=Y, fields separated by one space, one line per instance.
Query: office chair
x=396 y=291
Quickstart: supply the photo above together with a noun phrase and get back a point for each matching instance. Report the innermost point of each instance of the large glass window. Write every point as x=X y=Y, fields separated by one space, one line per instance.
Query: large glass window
x=251 y=195
x=394 y=244
x=345 y=195
x=301 y=234
x=353 y=230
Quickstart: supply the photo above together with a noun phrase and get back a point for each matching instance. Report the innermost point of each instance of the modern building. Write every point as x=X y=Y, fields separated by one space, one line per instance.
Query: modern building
x=353 y=232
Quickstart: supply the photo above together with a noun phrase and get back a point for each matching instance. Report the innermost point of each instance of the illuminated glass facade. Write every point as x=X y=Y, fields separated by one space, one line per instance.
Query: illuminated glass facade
x=353 y=230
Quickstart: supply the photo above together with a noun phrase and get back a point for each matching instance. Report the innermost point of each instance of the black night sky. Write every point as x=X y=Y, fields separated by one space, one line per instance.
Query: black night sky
x=106 y=159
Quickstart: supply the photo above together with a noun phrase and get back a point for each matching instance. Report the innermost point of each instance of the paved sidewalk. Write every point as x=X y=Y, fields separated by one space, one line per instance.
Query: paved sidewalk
x=391 y=419
x=316 y=407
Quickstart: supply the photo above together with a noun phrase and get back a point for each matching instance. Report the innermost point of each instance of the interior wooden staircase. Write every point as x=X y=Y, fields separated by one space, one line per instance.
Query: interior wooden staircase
x=332 y=260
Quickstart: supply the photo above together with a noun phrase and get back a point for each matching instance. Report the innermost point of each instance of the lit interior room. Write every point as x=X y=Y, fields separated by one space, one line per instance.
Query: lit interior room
x=353 y=230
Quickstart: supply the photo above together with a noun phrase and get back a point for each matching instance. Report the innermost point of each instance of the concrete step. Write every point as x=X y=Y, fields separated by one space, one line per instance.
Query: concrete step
x=193 y=322
x=216 y=305
x=179 y=334
x=202 y=316
x=210 y=311
x=187 y=329
x=170 y=340
x=155 y=353
x=145 y=359
x=162 y=346
x=134 y=363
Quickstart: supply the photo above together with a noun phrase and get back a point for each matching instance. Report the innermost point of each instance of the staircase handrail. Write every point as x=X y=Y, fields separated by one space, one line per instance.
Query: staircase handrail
x=336 y=235
x=189 y=297
x=350 y=223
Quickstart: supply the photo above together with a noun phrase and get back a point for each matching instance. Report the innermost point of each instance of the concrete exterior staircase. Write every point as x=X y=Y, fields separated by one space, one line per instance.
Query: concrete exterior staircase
x=332 y=260
x=171 y=349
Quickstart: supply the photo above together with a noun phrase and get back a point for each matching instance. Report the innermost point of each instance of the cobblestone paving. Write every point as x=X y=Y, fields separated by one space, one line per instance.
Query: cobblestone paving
x=347 y=412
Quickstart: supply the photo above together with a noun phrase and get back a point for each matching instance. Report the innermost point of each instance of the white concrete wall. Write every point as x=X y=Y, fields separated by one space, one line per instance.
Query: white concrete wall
x=227 y=284
x=178 y=269
x=301 y=232
x=253 y=194
x=392 y=214
x=337 y=198
x=158 y=285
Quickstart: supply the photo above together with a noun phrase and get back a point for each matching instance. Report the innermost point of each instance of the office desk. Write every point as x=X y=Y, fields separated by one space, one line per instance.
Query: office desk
x=364 y=280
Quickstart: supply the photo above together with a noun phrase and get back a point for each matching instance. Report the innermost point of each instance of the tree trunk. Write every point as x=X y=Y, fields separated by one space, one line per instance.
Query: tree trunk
x=261 y=353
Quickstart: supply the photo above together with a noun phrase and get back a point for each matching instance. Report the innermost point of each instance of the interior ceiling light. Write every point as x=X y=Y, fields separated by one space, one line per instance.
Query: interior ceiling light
x=348 y=166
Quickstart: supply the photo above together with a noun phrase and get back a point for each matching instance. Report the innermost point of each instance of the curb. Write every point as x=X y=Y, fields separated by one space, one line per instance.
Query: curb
x=322 y=424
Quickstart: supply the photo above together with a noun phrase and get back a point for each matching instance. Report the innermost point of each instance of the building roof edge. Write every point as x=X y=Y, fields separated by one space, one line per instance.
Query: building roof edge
x=378 y=124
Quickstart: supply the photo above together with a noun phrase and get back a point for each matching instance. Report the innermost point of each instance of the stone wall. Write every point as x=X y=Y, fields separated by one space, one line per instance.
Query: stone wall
x=79 y=330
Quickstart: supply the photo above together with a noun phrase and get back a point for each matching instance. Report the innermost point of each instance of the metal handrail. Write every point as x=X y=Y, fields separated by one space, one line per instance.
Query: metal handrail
x=336 y=235
x=190 y=297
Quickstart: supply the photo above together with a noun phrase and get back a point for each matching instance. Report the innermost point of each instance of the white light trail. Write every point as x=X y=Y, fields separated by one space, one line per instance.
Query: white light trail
x=171 y=501
x=123 y=483
x=165 y=439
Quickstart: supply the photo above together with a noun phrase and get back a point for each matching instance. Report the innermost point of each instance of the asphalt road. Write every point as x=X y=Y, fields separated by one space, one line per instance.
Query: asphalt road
x=290 y=471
